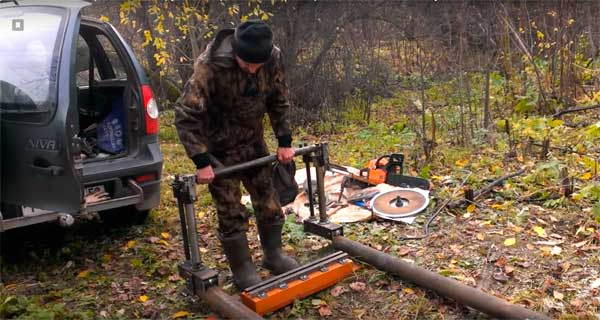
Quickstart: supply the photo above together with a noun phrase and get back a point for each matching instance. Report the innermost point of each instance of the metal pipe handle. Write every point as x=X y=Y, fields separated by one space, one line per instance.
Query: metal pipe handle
x=219 y=172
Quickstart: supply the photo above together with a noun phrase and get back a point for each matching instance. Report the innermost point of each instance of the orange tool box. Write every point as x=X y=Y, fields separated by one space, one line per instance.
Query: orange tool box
x=279 y=291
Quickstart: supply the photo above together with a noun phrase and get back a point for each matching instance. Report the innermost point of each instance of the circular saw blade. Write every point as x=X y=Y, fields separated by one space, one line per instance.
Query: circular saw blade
x=399 y=203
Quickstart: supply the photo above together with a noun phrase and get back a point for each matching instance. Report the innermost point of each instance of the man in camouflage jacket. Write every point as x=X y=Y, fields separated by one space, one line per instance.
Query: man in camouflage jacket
x=238 y=79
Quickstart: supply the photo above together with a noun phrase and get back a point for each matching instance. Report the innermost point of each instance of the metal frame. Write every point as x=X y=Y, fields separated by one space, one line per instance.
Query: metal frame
x=202 y=282
x=281 y=281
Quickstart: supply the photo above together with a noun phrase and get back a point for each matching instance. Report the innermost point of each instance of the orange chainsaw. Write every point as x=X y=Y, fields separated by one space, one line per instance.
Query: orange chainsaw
x=377 y=170
x=385 y=169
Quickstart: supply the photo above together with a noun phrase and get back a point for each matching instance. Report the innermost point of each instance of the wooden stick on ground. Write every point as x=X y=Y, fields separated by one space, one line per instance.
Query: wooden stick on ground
x=485 y=190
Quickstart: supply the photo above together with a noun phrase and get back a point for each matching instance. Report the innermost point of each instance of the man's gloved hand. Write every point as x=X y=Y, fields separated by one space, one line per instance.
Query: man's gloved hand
x=205 y=175
x=285 y=155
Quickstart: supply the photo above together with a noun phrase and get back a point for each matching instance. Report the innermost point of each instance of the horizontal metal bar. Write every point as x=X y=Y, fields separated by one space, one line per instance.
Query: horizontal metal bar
x=308 y=265
x=297 y=273
x=28 y=220
x=114 y=203
x=227 y=305
x=444 y=286
x=219 y=172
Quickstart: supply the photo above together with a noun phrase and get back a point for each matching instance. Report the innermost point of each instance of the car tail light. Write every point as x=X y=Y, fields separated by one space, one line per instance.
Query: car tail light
x=151 y=110
x=145 y=177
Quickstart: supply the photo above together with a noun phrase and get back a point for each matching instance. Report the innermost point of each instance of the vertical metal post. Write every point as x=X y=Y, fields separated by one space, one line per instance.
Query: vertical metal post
x=189 y=197
x=311 y=202
x=177 y=192
x=320 y=159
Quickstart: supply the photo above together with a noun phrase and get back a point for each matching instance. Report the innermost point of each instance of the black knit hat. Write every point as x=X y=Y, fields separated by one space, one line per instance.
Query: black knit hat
x=253 y=41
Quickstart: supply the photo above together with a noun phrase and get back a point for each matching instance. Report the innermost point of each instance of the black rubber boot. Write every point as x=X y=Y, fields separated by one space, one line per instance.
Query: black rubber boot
x=237 y=252
x=274 y=259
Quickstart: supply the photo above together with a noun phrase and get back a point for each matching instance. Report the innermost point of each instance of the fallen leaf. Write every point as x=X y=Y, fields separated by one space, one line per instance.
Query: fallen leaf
x=576 y=303
x=556 y=250
x=523 y=264
x=404 y=251
x=595 y=284
x=163 y=271
x=83 y=274
x=408 y=291
x=550 y=242
x=174 y=278
x=165 y=235
x=471 y=208
x=517 y=229
x=546 y=250
x=508 y=270
x=586 y=176
x=480 y=236
x=154 y=239
x=565 y=266
x=540 y=231
x=580 y=244
x=317 y=302
x=325 y=311
x=180 y=314
x=557 y=295
x=510 y=242
x=143 y=298
x=461 y=163
x=497 y=206
x=501 y=262
x=358 y=286
x=130 y=244
x=338 y=290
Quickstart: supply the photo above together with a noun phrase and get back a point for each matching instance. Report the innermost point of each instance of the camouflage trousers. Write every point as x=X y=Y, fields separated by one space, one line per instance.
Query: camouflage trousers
x=226 y=193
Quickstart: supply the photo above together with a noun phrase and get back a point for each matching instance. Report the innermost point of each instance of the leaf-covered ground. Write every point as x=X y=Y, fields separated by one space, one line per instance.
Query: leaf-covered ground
x=524 y=242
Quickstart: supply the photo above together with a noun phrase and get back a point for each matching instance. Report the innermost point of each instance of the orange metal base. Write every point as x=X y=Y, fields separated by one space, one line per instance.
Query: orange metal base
x=298 y=289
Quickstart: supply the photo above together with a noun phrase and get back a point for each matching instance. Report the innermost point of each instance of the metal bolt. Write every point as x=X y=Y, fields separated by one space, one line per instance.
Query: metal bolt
x=342 y=261
x=303 y=277
x=262 y=295
x=323 y=269
x=282 y=285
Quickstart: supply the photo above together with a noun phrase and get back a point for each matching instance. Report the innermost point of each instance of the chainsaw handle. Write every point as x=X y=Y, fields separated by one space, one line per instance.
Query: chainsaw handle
x=364 y=172
x=377 y=166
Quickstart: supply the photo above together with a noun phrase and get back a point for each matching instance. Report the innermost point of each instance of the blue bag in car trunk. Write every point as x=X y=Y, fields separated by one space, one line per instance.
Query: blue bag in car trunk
x=111 y=130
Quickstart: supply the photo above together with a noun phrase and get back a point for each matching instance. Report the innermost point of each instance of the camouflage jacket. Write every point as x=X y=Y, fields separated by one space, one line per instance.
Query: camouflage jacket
x=222 y=107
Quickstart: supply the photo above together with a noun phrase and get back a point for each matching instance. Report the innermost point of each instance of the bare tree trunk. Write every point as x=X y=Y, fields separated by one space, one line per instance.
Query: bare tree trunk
x=486 y=105
x=532 y=61
x=423 y=103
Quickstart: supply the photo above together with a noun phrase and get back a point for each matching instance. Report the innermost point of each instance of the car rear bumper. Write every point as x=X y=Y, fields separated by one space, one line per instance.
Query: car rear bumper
x=146 y=162
x=151 y=196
